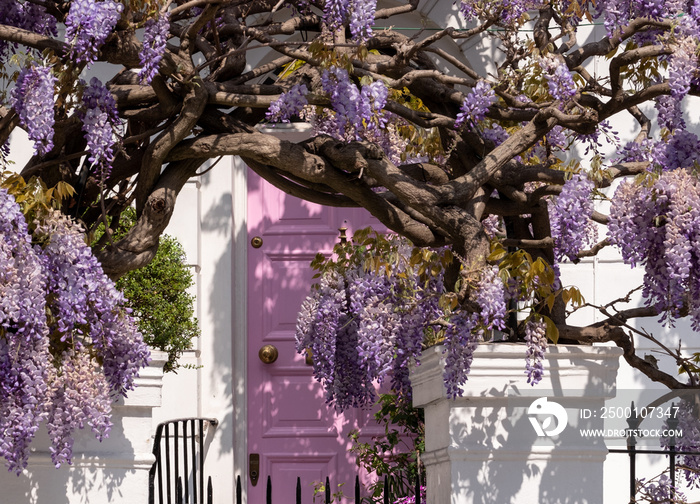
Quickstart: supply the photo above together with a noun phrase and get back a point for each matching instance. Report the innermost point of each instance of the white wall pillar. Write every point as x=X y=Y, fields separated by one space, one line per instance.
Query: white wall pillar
x=114 y=470
x=483 y=448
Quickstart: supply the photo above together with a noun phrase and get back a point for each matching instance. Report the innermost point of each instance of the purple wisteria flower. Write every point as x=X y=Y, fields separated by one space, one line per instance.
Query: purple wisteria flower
x=362 y=19
x=536 y=341
x=28 y=16
x=288 y=105
x=100 y=119
x=462 y=336
x=561 y=83
x=88 y=24
x=89 y=308
x=335 y=12
x=155 y=36
x=363 y=327
x=358 y=112
x=24 y=349
x=657 y=227
x=33 y=100
x=570 y=222
x=490 y=295
x=670 y=112
x=56 y=292
x=78 y=396
x=476 y=104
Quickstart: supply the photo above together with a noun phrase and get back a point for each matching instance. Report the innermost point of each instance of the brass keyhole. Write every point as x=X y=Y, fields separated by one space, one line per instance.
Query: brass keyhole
x=256 y=242
x=268 y=354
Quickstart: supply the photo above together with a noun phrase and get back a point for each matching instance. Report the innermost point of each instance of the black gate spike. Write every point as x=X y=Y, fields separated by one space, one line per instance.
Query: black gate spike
x=269 y=490
x=328 y=491
x=298 y=490
x=239 y=490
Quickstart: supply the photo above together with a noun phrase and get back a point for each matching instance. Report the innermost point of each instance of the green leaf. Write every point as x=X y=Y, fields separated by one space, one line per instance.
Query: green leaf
x=551 y=329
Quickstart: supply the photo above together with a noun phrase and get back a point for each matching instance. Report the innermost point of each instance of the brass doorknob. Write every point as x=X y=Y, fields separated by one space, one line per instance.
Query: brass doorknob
x=268 y=354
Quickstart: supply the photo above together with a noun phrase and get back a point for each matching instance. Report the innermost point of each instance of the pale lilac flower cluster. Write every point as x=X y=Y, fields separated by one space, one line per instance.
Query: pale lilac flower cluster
x=572 y=229
x=363 y=327
x=659 y=490
x=321 y=318
x=681 y=149
x=670 y=112
x=33 y=100
x=559 y=80
x=462 y=336
x=688 y=419
x=658 y=227
x=476 y=104
x=495 y=133
x=28 y=16
x=88 y=24
x=635 y=152
x=335 y=12
x=38 y=284
x=90 y=307
x=556 y=138
x=490 y=295
x=371 y=305
x=359 y=14
x=100 y=118
x=24 y=349
x=155 y=36
x=288 y=105
x=536 y=341
x=78 y=395
x=682 y=63
x=362 y=19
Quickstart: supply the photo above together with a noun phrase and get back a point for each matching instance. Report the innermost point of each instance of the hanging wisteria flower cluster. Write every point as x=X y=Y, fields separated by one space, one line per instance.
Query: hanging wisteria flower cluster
x=656 y=226
x=358 y=13
x=33 y=100
x=374 y=307
x=62 y=316
x=155 y=37
x=88 y=25
x=475 y=104
x=361 y=325
x=569 y=214
x=100 y=121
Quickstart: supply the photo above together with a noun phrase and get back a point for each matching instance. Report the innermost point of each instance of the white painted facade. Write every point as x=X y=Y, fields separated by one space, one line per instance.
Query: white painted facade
x=210 y=221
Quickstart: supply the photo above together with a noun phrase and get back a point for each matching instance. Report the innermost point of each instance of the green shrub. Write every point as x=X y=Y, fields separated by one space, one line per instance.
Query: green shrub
x=158 y=295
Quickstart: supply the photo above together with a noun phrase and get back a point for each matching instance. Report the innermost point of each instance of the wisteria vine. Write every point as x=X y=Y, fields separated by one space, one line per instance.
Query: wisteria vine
x=80 y=348
x=377 y=305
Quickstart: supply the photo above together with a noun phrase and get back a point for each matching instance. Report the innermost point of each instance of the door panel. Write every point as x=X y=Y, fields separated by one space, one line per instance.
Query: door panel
x=289 y=424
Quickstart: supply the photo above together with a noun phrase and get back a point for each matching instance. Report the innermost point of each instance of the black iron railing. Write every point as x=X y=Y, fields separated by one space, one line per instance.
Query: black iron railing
x=299 y=498
x=633 y=452
x=177 y=476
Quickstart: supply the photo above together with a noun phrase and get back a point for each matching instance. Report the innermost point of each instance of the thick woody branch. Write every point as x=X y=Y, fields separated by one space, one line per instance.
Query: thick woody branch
x=617 y=335
x=140 y=244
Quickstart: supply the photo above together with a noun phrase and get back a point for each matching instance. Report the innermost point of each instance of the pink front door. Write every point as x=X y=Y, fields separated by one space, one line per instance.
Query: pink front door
x=290 y=427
